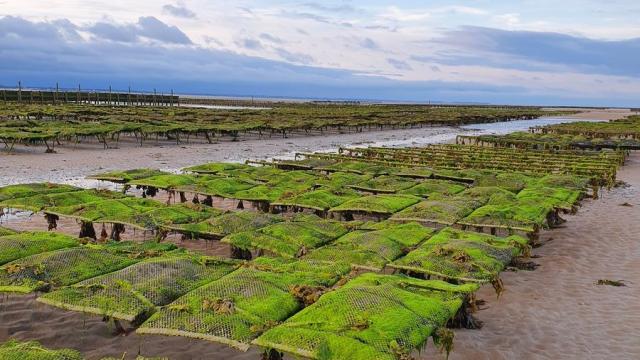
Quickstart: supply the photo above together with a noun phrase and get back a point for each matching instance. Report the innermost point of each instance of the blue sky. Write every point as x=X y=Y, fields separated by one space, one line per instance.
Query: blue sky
x=524 y=52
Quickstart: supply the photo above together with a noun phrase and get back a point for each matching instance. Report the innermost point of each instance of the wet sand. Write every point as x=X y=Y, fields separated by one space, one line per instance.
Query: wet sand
x=600 y=114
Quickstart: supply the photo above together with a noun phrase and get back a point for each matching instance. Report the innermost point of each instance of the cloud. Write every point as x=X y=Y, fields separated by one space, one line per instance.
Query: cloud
x=399 y=64
x=251 y=44
x=294 y=57
x=368 y=43
x=330 y=9
x=271 y=38
x=147 y=27
x=540 y=50
x=179 y=10
x=153 y=28
x=41 y=53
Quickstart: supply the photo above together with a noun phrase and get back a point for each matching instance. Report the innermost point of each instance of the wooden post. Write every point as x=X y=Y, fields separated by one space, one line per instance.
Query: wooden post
x=19 y=91
x=55 y=97
x=129 y=96
x=154 y=98
x=78 y=95
x=109 y=95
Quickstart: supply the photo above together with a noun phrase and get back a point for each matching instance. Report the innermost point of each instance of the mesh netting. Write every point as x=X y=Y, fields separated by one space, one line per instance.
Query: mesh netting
x=289 y=239
x=26 y=190
x=377 y=204
x=486 y=194
x=372 y=250
x=123 y=211
x=134 y=292
x=33 y=350
x=257 y=173
x=430 y=187
x=41 y=201
x=358 y=167
x=511 y=181
x=528 y=215
x=240 y=306
x=69 y=266
x=214 y=168
x=322 y=199
x=17 y=246
x=340 y=179
x=371 y=317
x=228 y=223
x=556 y=197
x=126 y=175
x=222 y=187
x=464 y=256
x=5 y=231
x=385 y=184
x=173 y=215
x=564 y=181
x=412 y=172
x=445 y=210
x=166 y=181
x=287 y=183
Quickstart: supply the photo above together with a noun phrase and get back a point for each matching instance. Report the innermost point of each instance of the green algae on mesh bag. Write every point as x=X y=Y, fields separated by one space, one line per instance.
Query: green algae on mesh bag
x=42 y=201
x=377 y=204
x=463 y=256
x=19 y=245
x=26 y=190
x=33 y=350
x=429 y=187
x=228 y=223
x=125 y=176
x=371 y=317
x=136 y=292
x=67 y=266
x=373 y=249
x=238 y=307
x=288 y=239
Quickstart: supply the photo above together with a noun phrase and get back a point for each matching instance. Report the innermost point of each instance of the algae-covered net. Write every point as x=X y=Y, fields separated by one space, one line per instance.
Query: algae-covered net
x=124 y=176
x=134 y=292
x=377 y=204
x=430 y=187
x=238 y=307
x=19 y=245
x=227 y=223
x=372 y=250
x=322 y=199
x=45 y=200
x=214 y=168
x=26 y=190
x=385 y=184
x=291 y=238
x=33 y=350
x=526 y=214
x=441 y=210
x=174 y=215
x=463 y=256
x=6 y=231
x=371 y=317
x=122 y=211
x=68 y=266
x=556 y=197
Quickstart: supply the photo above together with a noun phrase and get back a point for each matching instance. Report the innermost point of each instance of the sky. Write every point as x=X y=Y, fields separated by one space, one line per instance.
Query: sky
x=503 y=52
